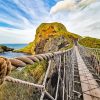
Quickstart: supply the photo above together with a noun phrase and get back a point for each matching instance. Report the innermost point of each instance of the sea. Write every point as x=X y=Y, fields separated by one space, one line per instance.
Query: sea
x=11 y=54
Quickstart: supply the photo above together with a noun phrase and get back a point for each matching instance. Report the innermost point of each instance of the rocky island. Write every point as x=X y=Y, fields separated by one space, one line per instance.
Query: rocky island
x=50 y=37
x=5 y=49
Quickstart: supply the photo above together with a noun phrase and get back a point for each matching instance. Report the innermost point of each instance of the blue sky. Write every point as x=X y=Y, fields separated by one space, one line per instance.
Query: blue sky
x=20 y=18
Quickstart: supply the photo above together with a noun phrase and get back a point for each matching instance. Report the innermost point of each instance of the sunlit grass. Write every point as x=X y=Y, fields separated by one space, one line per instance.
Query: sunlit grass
x=31 y=73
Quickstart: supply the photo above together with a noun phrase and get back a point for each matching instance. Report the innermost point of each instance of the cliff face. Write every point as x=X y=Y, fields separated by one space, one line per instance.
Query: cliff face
x=50 y=37
x=51 y=45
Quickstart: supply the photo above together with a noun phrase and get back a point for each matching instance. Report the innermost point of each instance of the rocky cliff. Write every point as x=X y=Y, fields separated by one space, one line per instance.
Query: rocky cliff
x=50 y=37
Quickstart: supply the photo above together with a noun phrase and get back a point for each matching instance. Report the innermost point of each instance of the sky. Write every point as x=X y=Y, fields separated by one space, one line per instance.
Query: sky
x=20 y=18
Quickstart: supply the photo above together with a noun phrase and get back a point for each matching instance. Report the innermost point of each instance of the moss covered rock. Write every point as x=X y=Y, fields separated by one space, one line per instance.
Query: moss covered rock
x=47 y=35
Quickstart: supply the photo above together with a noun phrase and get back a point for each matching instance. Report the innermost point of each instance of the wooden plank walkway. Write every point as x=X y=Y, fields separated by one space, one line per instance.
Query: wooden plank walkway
x=90 y=88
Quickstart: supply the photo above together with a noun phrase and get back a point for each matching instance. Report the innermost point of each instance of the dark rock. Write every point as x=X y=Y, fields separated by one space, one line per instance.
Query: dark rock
x=1 y=50
x=5 y=49
x=55 y=44
x=40 y=47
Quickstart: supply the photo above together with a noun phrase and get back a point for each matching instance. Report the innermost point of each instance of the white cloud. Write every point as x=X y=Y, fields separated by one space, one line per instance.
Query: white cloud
x=69 y=5
x=86 y=2
x=62 y=5
x=10 y=35
x=26 y=24
x=84 y=20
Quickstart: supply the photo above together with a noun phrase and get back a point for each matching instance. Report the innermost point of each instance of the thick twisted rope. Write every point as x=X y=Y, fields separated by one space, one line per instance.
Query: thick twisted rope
x=18 y=81
x=6 y=64
x=5 y=68
x=23 y=61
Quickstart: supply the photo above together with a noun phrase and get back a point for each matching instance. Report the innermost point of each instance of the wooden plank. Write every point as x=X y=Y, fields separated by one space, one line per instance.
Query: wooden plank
x=93 y=82
x=94 y=92
x=83 y=78
x=85 y=87
x=87 y=97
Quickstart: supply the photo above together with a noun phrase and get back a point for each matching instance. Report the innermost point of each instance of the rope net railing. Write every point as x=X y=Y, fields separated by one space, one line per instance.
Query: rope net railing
x=58 y=82
x=93 y=57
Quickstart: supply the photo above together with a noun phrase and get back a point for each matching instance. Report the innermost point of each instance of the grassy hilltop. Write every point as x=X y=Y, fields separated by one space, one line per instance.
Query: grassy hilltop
x=90 y=42
x=50 y=34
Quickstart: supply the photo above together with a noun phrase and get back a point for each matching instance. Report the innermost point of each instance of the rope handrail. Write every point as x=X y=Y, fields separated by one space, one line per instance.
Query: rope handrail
x=44 y=82
x=6 y=67
x=23 y=61
x=14 y=80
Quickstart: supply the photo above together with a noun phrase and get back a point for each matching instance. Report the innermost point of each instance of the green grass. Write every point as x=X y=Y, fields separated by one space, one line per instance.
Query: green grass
x=27 y=49
x=14 y=91
x=90 y=42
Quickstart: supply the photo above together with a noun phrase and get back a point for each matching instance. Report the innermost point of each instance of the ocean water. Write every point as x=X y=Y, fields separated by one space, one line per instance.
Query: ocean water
x=11 y=54
x=15 y=46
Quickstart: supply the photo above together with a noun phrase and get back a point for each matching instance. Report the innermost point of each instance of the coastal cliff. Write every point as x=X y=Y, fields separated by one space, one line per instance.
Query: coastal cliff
x=50 y=37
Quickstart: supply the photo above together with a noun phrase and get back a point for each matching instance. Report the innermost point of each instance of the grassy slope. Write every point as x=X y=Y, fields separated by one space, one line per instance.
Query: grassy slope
x=46 y=30
x=13 y=91
x=90 y=42
x=27 y=49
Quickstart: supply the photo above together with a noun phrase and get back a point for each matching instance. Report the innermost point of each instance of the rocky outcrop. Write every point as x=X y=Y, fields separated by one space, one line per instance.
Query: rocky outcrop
x=51 y=45
x=5 y=49
x=55 y=44
x=50 y=37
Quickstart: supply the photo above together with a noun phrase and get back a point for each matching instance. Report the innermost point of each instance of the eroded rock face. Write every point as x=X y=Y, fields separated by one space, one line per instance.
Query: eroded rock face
x=51 y=45
x=40 y=47
x=55 y=44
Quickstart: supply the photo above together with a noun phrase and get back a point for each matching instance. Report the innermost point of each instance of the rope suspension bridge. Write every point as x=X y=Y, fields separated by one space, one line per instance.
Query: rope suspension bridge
x=78 y=73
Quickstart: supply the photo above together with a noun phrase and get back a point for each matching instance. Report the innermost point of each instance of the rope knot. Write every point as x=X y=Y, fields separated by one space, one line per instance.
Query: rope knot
x=5 y=68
